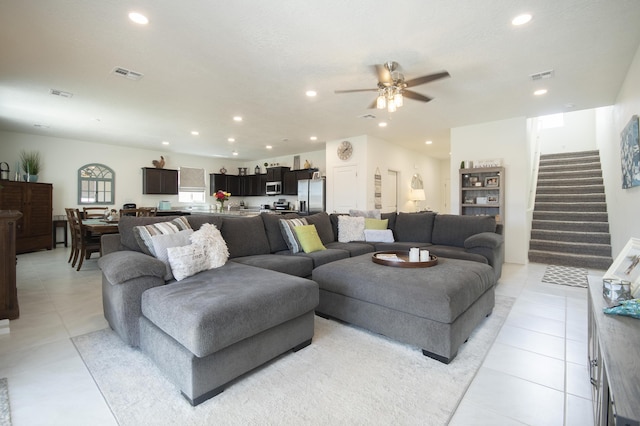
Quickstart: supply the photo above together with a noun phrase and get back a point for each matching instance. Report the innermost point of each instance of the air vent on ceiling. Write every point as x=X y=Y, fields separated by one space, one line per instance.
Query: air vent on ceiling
x=61 y=93
x=541 y=75
x=131 y=75
x=368 y=116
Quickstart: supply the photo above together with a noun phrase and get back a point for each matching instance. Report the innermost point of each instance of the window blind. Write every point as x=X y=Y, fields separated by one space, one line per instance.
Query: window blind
x=191 y=180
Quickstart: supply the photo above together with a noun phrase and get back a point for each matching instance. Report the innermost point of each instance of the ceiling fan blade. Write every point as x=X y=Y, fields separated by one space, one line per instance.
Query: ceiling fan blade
x=355 y=90
x=426 y=79
x=415 y=96
x=374 y=104
x=384 y=76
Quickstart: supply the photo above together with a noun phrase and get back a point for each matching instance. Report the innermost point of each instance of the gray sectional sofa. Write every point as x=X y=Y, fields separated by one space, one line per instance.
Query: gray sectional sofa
x=216 y=325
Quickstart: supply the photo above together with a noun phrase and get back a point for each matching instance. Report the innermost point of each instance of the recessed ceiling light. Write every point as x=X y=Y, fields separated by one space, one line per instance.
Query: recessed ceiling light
x=428 y=142
x=235 y=152
x=231 y=140
x=268 y=147
x=165 y=142
x=311 y=93
x=195 y=132
x=521 y=19
x=138 y=18
x=540 y=92
x=382 y=124
x=314 y=138
x=237 y=118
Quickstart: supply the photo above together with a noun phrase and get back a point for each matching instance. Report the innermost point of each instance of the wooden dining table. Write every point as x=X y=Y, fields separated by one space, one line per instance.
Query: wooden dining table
x=100 y=226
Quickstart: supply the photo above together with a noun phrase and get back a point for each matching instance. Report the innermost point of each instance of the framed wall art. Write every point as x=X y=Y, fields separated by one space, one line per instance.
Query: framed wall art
x=630 y=154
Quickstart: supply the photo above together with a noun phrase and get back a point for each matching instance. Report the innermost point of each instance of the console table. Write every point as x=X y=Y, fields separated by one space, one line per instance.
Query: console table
x=614 y=362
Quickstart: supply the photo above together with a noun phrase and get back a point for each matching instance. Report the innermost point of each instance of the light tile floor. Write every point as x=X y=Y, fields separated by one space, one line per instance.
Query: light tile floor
x=535 y=373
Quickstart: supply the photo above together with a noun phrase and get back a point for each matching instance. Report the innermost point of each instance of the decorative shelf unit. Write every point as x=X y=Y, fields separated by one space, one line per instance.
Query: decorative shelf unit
x=482 y=192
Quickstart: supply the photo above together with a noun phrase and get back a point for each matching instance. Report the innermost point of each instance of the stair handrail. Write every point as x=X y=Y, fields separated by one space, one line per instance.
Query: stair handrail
x=533 y=185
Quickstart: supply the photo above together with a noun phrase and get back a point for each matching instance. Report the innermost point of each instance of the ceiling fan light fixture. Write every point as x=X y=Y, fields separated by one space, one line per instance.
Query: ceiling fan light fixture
x=398 y=99
x=391 y=106
x=381 y=103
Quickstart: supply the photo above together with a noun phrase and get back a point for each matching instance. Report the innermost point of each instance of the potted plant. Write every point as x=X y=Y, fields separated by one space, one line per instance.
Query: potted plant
x=31 y=165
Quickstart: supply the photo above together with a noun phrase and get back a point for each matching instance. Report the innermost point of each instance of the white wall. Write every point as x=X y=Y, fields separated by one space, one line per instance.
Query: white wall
x=63 y=157
x=371 y=153
x=623 y=204
x=577 y=134
x=505 y=139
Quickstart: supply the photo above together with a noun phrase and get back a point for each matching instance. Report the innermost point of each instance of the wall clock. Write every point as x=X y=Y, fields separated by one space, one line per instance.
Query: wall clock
x=345 y=149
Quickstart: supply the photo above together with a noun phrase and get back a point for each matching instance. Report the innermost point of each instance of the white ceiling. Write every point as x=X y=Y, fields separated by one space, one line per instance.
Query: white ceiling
x=206 y=61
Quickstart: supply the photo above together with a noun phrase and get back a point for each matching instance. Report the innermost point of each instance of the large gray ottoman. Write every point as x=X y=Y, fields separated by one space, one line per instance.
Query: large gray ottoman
x=207 y=330
x=433 y=308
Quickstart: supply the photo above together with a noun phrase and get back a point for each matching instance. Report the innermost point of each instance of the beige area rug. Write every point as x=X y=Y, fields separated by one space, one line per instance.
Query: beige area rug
x=5 y=410
x=346 y=376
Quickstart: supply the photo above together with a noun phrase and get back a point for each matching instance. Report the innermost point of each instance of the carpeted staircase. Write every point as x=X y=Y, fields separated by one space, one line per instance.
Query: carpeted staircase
x=570 y=223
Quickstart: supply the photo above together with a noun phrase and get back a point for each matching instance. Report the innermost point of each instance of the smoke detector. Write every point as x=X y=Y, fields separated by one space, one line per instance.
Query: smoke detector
x=131 y=75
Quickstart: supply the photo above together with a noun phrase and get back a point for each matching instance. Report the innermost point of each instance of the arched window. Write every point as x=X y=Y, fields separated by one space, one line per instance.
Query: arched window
x=96 y=184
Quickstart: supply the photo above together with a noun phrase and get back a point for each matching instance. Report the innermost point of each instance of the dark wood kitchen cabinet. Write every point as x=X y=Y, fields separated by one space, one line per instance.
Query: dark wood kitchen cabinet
x=224 y=182
x=34 y=201
x=159 y=181
x=8 y=290
x=276 y=174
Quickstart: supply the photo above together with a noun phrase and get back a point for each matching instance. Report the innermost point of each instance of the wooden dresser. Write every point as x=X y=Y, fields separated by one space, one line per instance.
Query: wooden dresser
x=8 y=291
x=34 y=201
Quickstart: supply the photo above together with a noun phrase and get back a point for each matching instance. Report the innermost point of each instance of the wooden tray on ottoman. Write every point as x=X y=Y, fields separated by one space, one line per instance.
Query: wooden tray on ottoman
x=404 y=260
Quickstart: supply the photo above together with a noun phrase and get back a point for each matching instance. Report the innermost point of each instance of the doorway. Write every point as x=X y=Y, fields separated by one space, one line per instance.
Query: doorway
x=390 y=192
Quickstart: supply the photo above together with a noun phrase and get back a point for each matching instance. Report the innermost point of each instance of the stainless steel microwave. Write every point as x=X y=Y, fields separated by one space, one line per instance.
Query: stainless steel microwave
x=274 y=188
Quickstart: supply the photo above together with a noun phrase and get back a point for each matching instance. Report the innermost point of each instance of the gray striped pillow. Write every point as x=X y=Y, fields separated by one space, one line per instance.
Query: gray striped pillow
x=286 y=226
x=144 y=233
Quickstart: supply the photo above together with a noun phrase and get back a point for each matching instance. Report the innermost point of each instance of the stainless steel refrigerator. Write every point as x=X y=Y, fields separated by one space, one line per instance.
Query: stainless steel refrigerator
x=311 y=196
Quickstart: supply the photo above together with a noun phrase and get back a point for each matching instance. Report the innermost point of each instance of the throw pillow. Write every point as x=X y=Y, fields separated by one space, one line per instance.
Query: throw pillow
x=374 y=214
x=215 y=247
x=350 y=229
x=286 y=226
x=309 y=238
x=163 y=241
x=370 y=223
x=378 y=235
x=187 y=260
x=143 y=233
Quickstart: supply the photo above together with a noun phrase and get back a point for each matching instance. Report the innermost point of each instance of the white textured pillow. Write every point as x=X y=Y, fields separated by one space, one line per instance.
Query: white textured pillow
x=373 y=214
x=187 y=260
x=207 y=250
x=290 y=237
x=215 y=246
x=144 y=233
x=163 y=241
x=350 y=228
x=378 y=235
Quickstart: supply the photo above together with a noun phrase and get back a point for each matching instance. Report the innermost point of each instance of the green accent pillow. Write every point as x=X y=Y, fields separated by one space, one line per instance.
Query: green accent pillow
x=309 y=238
x=370 y=223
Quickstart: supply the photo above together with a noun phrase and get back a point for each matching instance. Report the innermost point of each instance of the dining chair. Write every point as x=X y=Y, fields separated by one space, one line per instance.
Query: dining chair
x=87 y=243
x=94 y=212
x=139 y=212
x=74 y=245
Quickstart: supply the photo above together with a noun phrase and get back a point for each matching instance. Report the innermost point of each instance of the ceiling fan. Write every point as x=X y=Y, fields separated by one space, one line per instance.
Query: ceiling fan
x=392 y=87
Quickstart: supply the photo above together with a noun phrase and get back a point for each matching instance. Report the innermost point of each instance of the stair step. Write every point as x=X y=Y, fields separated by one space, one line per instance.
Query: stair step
x=571 y=236
x=575 y=181
x=570 y=198
x=571 y=248
x=571 y=207
x=544 y=162
x=576 y=189
x=564 y=259
x=573 y=226
x=571 y=217
x=570 y=155
x=569 y=174
x=593 y=165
